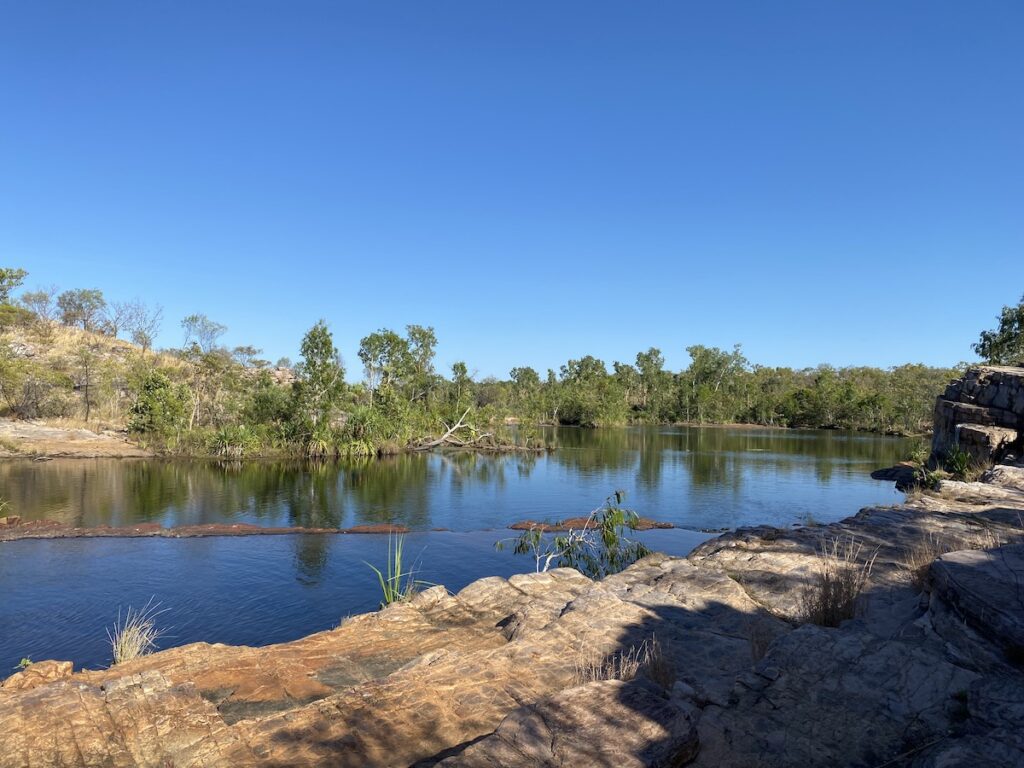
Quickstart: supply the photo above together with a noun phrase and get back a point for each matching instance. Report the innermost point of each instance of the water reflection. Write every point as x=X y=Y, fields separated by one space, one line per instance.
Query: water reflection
x=694 y=477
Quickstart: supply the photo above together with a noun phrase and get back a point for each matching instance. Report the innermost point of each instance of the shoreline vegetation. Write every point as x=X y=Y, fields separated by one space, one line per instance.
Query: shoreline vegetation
x=75 y=359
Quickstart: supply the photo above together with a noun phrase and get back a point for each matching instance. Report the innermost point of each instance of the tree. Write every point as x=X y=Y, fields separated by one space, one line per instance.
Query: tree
x=321 y=377
x=87 y=362
x=10 y=278
x=41 y=302
x=1004 y=345
x=203 y=332
x=144 y=323
x=386 y=359
x=422 y=341
x=116 y=316
x=81 y=307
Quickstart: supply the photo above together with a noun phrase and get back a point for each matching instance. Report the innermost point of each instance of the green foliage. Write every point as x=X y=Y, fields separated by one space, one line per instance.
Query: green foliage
x=81 y=308
x=25 y=663
x=161 y=406
x=598 y=548
x=234 y=442
x=31 y=389
x=10 y=279
x=12 y=316
x=396 y=584
x=321 y=381
x=958 y=462
x=1005 y=344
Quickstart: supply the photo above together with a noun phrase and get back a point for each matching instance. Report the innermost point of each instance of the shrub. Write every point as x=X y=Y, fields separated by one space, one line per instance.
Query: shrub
x=161 y=407
x=596 y=549
x=234 y=442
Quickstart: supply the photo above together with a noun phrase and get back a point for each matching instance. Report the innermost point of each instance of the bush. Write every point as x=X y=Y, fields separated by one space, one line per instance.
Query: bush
x=596 y=549
x=161 y=407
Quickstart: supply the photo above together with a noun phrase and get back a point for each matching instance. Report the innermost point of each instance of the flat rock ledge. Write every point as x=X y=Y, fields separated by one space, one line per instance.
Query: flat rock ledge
x=930 y=674
x=13 y=528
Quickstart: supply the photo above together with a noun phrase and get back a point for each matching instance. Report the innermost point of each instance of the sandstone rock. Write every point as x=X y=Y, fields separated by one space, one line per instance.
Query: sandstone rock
x=824 y=697
x=39 y=673
x=983 y=411
x=492 y=676
x=611 y=723
x=987 y=588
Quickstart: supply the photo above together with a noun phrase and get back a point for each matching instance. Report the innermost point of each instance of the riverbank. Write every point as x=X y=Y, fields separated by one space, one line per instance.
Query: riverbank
x=491 y=675
x=29 y=439
x=42 y=441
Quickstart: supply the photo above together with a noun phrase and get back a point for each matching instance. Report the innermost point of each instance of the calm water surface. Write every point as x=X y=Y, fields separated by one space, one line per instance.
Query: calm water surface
x=59 y=596
x=698 y=478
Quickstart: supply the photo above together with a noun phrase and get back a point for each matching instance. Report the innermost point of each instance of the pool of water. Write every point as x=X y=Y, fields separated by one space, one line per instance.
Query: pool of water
x=697 y=478
x=60 y=596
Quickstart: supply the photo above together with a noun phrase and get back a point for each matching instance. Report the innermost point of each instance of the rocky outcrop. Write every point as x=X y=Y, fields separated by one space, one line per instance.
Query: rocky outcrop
x=27 y=438
x=930 y=672
x=983 y=413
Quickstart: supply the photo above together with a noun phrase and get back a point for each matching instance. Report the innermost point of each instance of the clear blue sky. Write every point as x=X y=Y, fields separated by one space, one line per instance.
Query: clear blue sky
x=820 y=181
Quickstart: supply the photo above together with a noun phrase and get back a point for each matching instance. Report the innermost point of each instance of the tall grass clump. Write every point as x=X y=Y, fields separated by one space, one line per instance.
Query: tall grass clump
x=647 y=659
x=396 y=583
x=833 y=596
x=135 y=634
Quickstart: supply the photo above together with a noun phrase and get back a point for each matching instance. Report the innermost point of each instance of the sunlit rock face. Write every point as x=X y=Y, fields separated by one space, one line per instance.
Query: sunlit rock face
x=983 y=413
x=508 y=672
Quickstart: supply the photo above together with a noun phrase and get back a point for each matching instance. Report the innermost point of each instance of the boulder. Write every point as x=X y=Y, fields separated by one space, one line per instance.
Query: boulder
x=986 y=587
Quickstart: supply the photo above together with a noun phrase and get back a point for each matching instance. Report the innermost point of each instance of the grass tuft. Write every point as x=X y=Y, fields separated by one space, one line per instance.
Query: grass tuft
x=396 y=585
x=834 y=594
x=136 y=634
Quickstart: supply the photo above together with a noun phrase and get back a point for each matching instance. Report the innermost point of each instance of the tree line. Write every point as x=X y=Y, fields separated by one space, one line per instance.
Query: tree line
x=203 y=397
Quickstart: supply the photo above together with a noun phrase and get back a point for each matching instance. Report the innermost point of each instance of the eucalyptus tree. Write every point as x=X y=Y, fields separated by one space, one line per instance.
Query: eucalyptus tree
x=82 y=308
x=1005 y=344
x=202 y=332
x=10 y=278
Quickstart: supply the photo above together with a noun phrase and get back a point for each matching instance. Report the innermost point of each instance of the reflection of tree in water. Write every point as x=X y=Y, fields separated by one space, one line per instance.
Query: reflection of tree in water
x=592 y=450
x=465 y=469
x=652 y=458
x=310 y=557
x=314 y=496
x=401 y=489
x=390 y=490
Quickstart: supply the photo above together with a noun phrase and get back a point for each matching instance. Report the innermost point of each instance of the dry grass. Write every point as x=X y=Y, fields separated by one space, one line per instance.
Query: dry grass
x=136 y=634
x=834 y=594
x=648 y=659
x=761 y=635
x=919 y=557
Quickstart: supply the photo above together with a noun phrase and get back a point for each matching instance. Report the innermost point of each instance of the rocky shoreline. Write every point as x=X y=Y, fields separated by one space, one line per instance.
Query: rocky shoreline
x=930 y=673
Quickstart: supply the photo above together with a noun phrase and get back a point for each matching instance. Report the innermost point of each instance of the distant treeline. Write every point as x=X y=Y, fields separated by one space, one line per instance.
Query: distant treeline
x=62 y=359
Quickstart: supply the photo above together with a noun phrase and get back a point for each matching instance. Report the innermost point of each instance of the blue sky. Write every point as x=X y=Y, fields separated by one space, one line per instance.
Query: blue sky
x=822 y=182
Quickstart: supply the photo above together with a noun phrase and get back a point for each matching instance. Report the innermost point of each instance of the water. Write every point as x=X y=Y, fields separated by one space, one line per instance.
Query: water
x=59 y=596
x=697 y=478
